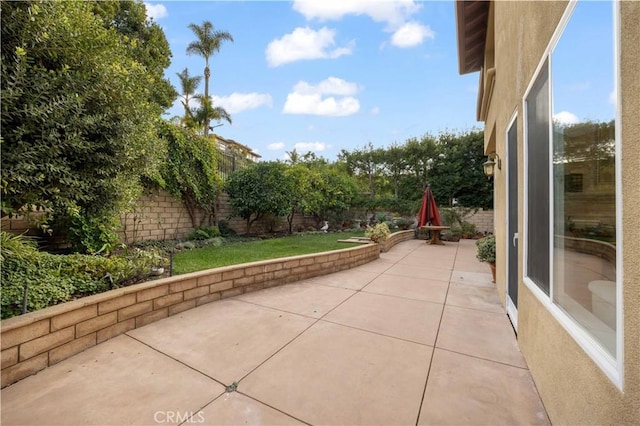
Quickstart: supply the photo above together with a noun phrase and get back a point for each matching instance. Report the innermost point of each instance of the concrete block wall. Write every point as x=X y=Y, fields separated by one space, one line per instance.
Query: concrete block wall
x=160 y=215
x=34 y=341
x=157 y=216
x=483 y=219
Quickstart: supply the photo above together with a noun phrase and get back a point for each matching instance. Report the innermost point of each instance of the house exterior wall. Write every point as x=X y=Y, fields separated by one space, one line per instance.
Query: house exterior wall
x=573 y=388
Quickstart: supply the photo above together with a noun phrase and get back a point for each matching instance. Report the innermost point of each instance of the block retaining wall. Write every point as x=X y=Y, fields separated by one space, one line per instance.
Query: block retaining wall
x=397 y=237
x=34 y=341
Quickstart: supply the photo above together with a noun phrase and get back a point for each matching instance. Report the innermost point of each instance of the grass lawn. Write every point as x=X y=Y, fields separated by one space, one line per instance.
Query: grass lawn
x=243 y=252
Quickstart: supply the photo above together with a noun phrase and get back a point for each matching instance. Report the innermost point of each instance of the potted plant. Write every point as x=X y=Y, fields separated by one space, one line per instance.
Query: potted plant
x=487 y=252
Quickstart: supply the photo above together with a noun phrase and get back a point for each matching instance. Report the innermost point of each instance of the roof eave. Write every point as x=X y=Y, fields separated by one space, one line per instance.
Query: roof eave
x=471 y=21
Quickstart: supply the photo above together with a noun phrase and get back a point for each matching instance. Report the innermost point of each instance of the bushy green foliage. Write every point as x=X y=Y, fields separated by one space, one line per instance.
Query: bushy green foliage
x=82 y=86
x=457 y=170
x=53 y=279
x=378 y=233
x=486 y=249
x=468 y=229
x=395 y=177
x=204 y=233
x=260 y=190
x=190 y=171
x=225 y=230
x=92 y=234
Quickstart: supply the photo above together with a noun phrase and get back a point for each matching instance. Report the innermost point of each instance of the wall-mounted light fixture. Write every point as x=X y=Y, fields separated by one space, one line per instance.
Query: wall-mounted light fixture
x=490 y=164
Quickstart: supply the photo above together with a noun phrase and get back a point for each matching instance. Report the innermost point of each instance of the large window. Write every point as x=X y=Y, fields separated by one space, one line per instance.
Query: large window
x=571 y=247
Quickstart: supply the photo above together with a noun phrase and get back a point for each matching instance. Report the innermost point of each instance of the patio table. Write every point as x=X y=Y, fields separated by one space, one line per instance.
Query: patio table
x=435 y=233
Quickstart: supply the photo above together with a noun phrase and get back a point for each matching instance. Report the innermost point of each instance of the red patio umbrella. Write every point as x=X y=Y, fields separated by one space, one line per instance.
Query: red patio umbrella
x=429 y=214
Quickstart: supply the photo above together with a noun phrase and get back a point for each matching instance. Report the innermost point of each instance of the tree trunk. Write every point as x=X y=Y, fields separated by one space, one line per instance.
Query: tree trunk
x=290 y=220
x=207 y=74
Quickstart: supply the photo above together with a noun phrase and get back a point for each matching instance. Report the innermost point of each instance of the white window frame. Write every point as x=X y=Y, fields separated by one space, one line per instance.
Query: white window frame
x=611 y=366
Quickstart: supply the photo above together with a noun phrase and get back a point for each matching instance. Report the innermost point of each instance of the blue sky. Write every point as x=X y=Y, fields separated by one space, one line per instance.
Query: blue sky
x=326 y=75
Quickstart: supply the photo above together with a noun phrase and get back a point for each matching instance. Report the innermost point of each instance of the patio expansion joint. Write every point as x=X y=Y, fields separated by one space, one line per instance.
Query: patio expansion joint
x=378 y=333
x=273 y=407
x=275 y=309
x=479 y=310
x=177 y=360
x=426 y=381
x=280 y=349
x=400 y=297
x=482 y=359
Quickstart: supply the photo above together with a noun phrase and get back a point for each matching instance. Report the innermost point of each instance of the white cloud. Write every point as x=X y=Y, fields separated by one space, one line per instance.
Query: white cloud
x=305 y=43
x=411 y=34
x=276 y=146
x=375 y=111
x=566 y=117
x=612 y=97
x=304 y=147
x=238 y=102
x=156 y=11
x=315 y=105
x=392 y=12
x=330 y=86
x=309 y=99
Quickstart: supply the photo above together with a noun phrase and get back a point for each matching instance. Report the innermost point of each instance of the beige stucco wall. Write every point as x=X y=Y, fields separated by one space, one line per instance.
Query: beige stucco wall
x=573 y=388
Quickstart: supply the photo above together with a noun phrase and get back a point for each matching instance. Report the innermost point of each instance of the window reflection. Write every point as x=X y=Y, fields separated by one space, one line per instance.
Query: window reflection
x=584 y=205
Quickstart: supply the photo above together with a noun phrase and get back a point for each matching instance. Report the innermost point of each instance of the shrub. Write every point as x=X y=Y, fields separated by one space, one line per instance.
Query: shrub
x=391 y=224
x=378 y=233
x=486 y=249
x=225 y=230
x=51 y=279
x=381 y=217
x=92 y=234
x=468 y=229
x=204 y=233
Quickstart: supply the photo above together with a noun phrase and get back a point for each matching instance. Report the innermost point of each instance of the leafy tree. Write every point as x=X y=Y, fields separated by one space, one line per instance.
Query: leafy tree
x=146 y=41
x=366 y=164
x=191 y=171
x=303 y=182
x=421 y=155
x=208 y=42
x=458 y=173
x=79 y=106
x=331 y=191
x=396 y=165
x=259 y=190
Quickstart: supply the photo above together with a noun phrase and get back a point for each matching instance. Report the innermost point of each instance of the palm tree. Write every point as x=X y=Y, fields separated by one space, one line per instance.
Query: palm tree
x=208 y=42
x=189 y=85
x=199 y=118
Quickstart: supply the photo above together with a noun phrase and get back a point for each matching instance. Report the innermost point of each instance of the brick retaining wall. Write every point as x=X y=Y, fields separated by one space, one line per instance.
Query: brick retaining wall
x=34 y=341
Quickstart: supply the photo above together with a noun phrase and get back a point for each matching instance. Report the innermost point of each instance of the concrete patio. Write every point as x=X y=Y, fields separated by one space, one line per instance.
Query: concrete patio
x=416 y=337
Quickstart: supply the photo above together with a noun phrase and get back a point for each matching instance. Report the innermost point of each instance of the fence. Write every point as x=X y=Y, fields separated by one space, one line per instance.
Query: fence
x=229 y=163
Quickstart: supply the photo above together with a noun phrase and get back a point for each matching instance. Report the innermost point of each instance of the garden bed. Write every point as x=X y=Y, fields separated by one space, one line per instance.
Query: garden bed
x=34 y=341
